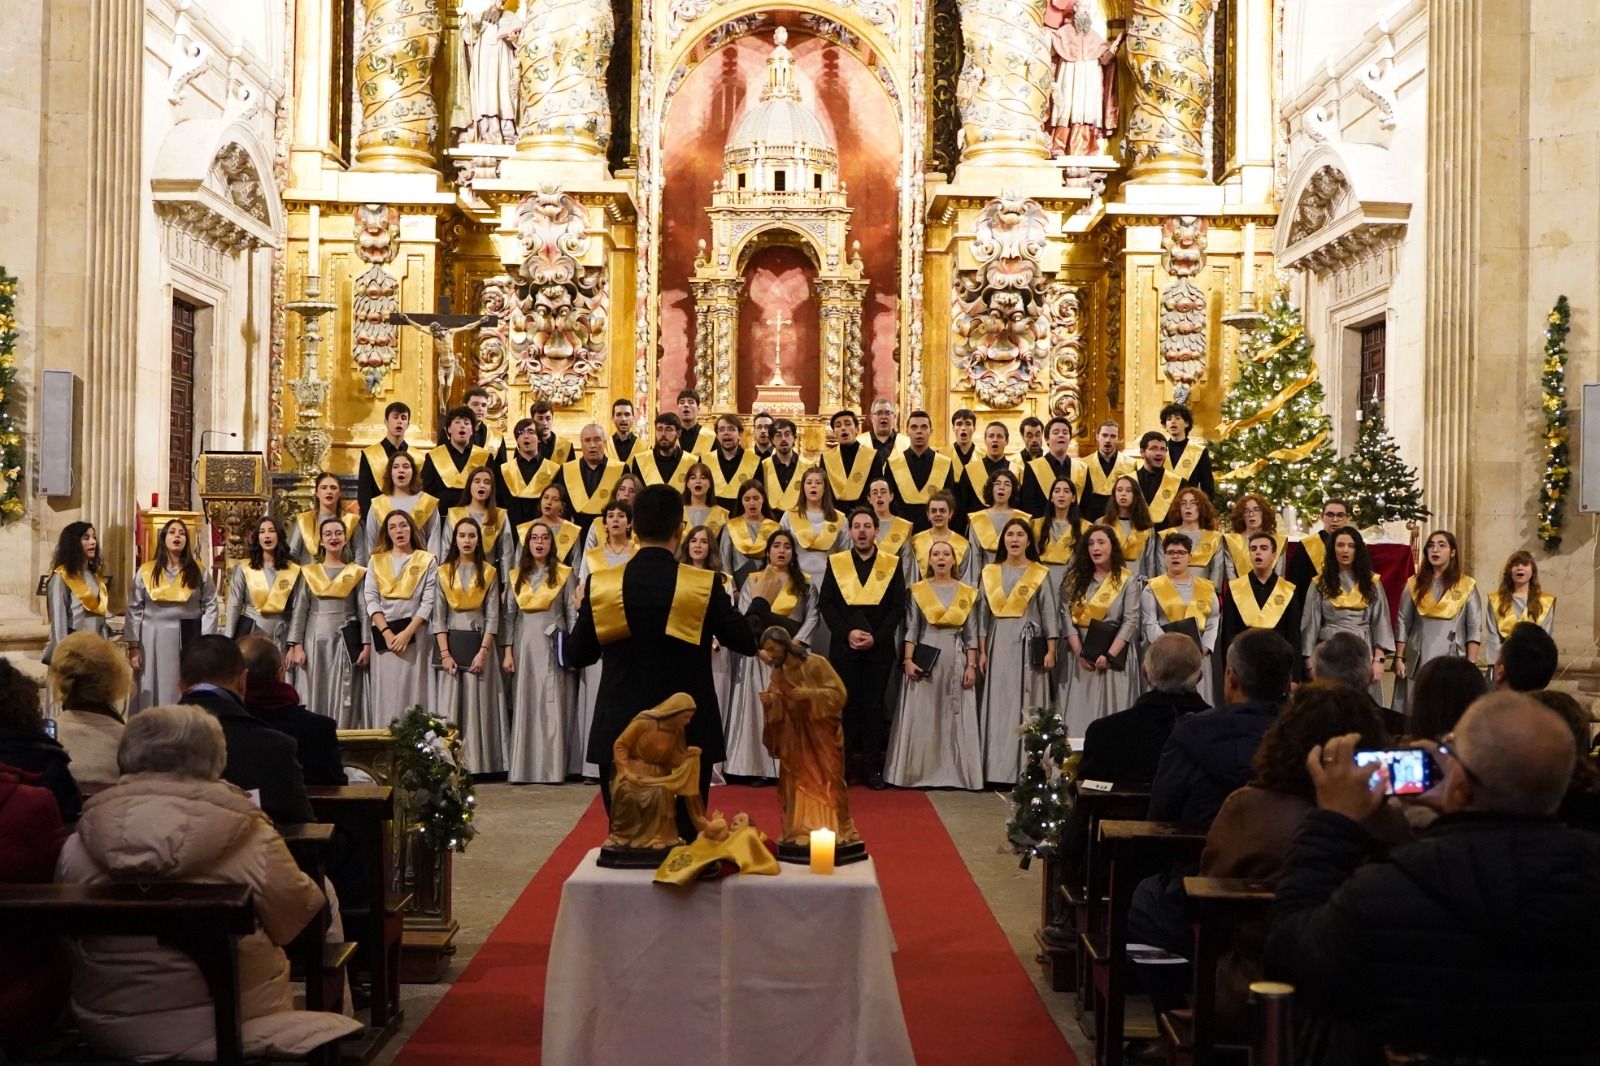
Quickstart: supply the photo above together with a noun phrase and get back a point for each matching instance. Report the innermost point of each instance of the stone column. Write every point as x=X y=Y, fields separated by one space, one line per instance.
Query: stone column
x=1171 y=91
x=1251 y=100
x=394 y=76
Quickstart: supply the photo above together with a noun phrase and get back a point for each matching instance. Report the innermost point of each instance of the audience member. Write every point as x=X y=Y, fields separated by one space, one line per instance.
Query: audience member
x=24 y=744
x=34 y=980
x=90 y=678
x=1440 y=694
x=1481 y=938
x=275 y=702
x=1580 y=808
x=1346 y=659
x=1125 y=747
x=1527 y=659
x=170 y=819
x=260 y=758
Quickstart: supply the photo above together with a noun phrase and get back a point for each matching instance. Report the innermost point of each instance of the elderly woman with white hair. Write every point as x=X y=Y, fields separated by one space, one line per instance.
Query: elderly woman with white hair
x=90 y=680
x=169 y=818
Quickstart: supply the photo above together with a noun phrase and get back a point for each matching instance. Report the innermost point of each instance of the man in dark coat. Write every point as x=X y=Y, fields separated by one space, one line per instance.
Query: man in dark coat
x=1125 y=748
x=649 y=656
x=271 y=699
x=1481 y=938
x=260 y=758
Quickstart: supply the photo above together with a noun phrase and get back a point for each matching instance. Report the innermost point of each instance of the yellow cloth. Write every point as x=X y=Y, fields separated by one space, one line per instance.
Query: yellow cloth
x=444 y=464
x=464 y=597
x=271 y=601
x=1260 y=616
x=906 y=486
x=310 y=525
x=511 y=474
x=337 y=587
x=1059 y=550
x=779 y=498
x=685 y=620
x=1193 y=450
x=93 y=600
x=583 y=501
x=744 y=847
x=1097 y=603
x=936 y=613
x=1239 y=548
x=1014 y=603
x=748 y=545
x=1506 y=621
x=1447 y=606
x=1100 y=482
x=1171 y=602
x=489 y=526
x=848 y=484
x=823 y=540
x=1161 y=504
x=981 y=525
x=421 y=511
x=724 y=488
x=164 y=592
x=851 y=588
x=393 y=586
x=537 y=595
x=924 y=540
x=650 y=470
x=1350 y=599
x=894 y=537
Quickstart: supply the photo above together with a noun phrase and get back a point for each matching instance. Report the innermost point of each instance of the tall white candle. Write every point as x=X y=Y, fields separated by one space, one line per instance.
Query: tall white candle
x=1248 y=274
x=313 y=254
x=822 y=841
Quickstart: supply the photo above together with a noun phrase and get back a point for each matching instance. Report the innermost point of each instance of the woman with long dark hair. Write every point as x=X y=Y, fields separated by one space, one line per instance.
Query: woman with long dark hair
x=402 y=491
x=819 y=531
x=466 y=619
x=304 y=533
x=1518 y=599
x=328 y=620
x=74 y=597
x=398 y=595
x=1347 y=596
x=616 y=522
x=1441 y=613
x=699 y=507
x=700 y=549
x=1019 y=613
x=542 y=693
x=1056 y=531
x=172 y=601
x=1099 y=588
x=1128 y=518
x=262 y=590
x=744 y=538
x=553 y=513
x=984 y=527
x=478 y=504
x=788 y=595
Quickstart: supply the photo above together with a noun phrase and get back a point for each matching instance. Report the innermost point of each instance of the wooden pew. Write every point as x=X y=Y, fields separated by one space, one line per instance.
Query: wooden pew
x=1216 y=905
x=1133 y=851
x=322 y=964
x=1080 y=895
x=202 y=921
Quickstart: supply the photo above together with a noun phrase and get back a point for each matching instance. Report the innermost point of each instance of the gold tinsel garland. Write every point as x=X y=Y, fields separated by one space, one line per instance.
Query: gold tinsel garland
x=1279 y=455
x=1273 y=406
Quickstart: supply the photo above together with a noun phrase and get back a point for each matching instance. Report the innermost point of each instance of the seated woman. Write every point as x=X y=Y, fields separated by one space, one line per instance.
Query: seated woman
x=171 y=819
x=24 y=745
x=90 y=678
x=33 y=983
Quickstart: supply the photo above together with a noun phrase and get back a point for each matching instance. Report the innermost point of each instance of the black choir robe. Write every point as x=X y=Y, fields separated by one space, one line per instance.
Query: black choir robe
x=621 y=449
x=521 y=482
x=444 y=473
x=1034 y=495
x=370 y=469
x=914 y=478
x=728 y=473
x=1093 y=504
x=1288 y=625
x=587 y=489
x=782 y=483
x=1201 y=476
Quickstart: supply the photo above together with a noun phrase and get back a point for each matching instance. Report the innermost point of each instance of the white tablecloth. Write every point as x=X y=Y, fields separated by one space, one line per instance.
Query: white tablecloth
x=745 y=971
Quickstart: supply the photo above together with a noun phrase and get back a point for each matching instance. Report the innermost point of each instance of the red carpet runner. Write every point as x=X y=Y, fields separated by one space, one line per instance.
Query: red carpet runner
x=965 y=995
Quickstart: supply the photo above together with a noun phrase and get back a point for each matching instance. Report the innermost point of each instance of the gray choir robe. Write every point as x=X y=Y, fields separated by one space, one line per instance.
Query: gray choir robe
x=543 y=695
x=329 y=683
x=472 y=702
x=398 y=682
x=1433 y=638
x=1320 y=619
x=936 y=740
x=1011 y=686
x=157 y=628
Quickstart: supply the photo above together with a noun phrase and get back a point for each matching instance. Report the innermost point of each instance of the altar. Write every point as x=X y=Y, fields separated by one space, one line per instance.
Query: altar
x=793 y=969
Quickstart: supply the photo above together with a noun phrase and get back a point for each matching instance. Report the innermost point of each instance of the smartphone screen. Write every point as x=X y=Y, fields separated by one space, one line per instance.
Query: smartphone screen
x=1410 y=769
x=50 y=728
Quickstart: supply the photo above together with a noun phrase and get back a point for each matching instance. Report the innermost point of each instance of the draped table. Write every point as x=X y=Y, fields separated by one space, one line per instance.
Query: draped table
x=746 y=970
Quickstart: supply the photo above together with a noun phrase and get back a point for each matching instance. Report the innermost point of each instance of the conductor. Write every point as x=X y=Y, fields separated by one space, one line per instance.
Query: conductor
x=650 y=624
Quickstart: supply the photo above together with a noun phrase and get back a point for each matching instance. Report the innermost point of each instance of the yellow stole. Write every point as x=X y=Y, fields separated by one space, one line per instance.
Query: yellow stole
x=1171 y=602
x=895 y=537
x=166 y=592
x=310 y=525
x=981 y=526
x=724 y=488
x=270 y=600
x=1097 y=603
x=93 y=600
x=1350 y=599
x=1012 y=605
x=444 y=464
x=491 y=529
x=781 y=499
x=924 y=540
x=377 y=457
x=393 y=586
x=611 y=449
x=336 y=587
x=598 y=560
x=705 y=440
x=822 y=540
x=1506 y=621
x=511 y=474
x=1239 y=548
x=566 y=536
x=1447 y=606
x=421 y=511
x=854 y=592
x=1316 y=550
x=536 y=595
x=786 y=601
x=459 y=597
x=937 y=614
x=584 y=502
x=1192 y=451
x=751 y=547
x=958 y=465
x=1056 y=551
x=645 y=463
x=1165 y=494
x=978 y=473
x=1046 y=475
x=1260 y=616
x=685 y=620
x=492 y=442
x=1205 y=546
x=852 y=484
x=716 y=519
x=1100 y=482
x=906 y=486
x=1133 y=543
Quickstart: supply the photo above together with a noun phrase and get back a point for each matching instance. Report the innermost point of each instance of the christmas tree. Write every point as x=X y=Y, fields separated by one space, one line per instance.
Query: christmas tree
x=1274 y=436
x=1039 y=800
x=1376 y=481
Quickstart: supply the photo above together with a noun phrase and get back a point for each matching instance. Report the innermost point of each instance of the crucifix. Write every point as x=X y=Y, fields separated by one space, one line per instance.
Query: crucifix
x=443 y=328
x=777 y=322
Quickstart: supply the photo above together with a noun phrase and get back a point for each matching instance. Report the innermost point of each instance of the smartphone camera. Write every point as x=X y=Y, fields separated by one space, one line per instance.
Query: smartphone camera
x=1410 y=769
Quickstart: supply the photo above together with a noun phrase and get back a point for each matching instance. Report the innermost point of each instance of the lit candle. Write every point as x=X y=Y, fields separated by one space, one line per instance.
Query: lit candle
x=313 y=256
x=822 y=851
x=1247 y=281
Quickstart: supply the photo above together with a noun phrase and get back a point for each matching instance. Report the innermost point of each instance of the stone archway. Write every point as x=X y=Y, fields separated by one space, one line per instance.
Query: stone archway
x=213 y=179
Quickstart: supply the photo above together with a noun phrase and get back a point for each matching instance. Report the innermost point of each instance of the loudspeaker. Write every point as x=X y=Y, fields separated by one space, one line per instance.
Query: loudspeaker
x=58 y=423
x=1588 y=443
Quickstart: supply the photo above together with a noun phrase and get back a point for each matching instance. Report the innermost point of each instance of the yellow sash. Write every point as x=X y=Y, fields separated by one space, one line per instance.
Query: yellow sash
x=786 y=600
x=1100 y=482
x=93 y=600
x=685 y=621
x=978 y=473
x=491 y=527
x=937 y=614
x=1447 y=606
x=310 y=525
x=1506 y=621
x=645 y=463
x=536 y=595
x=704 y=442
x=1350 y=599
x=584 y=502
x=1046 y=475
x=894 y=538
x=781 y=499
x=822 y=540
x=855 y=593
x=1059 y=550
x=1239 y=548
x=1316 y=550
x=611 y=449
x=461 y=598
x=566 y=536
x=421 y=511
x=270 y=600
x=1260 y=616
x=723 y=489
x=166 y=592
x=559 y=453
x=1192 y=451
x=958 y=465
x=511 y=474
x=1132 y=544
x=1013 y=604
x=751 y=547
x=981 y=525
x=492 y=442
x=716 y=519
x=444 y=464
x=377 y=457
x=1204 y=546
x=1171 y=602
x=1098 y=602
x=1165 y=494
x=605 y=599
x=924 y=540
x=906 y=486
x=598 y=561
x=401 y=586
x=337 y=587
x=851 y=485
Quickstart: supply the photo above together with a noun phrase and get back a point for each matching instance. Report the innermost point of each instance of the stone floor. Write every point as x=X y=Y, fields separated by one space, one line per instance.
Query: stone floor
x=521 y=825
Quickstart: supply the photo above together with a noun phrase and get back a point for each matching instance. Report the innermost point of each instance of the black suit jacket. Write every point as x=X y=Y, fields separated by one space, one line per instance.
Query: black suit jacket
x=883 y=617
x=316 y=736
x=1125 y=748
x=646 y=667
x=259 y=757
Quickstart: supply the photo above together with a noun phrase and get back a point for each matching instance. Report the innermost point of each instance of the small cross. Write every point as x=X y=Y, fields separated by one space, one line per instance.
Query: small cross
x=777 y=322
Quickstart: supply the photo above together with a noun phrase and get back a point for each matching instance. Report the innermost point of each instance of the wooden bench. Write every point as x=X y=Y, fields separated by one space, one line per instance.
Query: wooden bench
x=1216 y=905
x=1133 y=850
x=1073 y=897
x=322 y=964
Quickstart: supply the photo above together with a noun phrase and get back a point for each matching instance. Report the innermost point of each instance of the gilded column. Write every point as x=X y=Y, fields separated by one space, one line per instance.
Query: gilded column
x=1171 y=90
x=394 y=74
x=1004 y=88
x=563 y=55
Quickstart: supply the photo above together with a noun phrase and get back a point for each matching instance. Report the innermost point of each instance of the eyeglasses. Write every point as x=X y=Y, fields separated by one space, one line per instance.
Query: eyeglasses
x=1335 y=514
x=1447 y=747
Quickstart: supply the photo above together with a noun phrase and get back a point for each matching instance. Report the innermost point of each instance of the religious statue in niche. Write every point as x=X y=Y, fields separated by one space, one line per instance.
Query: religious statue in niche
x=654 y=769
x=1083 y=95
x=483 y=108
x=1183 y=303
x=375 y=341
x=1000 y=327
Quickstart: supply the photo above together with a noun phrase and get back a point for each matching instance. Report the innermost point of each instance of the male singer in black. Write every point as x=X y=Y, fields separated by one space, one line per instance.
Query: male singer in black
x=1188 y=457
x=1042 y=471
x=589 y=482
x=1260 y=599
x=374 y=462
x=551 y=447
x=962 y=451
x=693 y=438
x=666 y=463
x=444 y=473
x=1156 y=481
x=761 y=434
x=524 y=475
x=731 y=463
x=780 y=471
x=917 y=472
x=622 y=442
x=1102 y=470
x=849 y=466
x=477 y=401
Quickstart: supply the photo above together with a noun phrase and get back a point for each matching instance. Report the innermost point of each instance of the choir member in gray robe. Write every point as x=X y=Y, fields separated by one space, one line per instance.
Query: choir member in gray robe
x=329 y=681
x=1360 y=606
x=401 y=586
x=936 y=741
x=1018 y=611
x=171 y=600
x=543 y=693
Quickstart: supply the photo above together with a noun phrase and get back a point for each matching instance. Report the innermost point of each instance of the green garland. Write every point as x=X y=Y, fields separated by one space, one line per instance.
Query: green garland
x=10 y=438
x=428 y=765
x=1039 y=800
x=1557 y=456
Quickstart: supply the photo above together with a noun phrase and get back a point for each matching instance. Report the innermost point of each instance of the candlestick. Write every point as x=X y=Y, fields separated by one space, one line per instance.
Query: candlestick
x=1248 y=274
x=315 y=241
x=822 y=842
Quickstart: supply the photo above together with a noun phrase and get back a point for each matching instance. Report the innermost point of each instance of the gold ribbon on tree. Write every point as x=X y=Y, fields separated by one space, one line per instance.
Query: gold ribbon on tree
x=1280 y=455
x=1273 y=406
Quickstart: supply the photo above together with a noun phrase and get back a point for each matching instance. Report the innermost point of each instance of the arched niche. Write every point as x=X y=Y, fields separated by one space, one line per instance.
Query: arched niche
x=214 y=179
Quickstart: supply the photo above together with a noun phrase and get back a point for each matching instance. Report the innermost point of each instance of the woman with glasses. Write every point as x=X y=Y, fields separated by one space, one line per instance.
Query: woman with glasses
x=1348 y=596
x=1441 y=614
x=1179 y=596
x=1250 y=515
